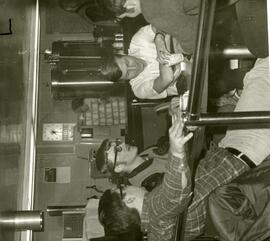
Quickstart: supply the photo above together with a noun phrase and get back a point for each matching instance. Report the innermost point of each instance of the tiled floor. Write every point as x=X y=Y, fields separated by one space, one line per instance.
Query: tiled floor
x=14 y=71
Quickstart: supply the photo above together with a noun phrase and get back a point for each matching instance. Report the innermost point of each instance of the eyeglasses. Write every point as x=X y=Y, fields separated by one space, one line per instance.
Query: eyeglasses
x=117 y=149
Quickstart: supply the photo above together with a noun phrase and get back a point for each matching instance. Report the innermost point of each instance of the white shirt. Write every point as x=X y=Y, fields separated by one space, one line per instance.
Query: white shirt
x=142 y=46
x=91 y=225
x=255 y=143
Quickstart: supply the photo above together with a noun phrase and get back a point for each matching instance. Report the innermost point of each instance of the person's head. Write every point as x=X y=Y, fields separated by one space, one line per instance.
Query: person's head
x=121 y=214
x=122 y=67
x=115 y=156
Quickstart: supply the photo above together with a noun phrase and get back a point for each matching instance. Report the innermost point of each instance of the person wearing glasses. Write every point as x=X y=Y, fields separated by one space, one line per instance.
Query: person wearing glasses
x=239 y=151
x=121 y=209
x=142 y=170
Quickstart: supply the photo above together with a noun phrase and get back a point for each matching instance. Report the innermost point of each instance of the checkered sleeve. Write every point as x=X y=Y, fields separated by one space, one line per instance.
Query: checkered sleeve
x=168 y=200
x=219 y=167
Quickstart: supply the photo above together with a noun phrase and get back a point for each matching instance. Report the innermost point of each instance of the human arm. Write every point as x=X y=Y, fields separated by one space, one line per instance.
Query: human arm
x=168 y=200
x=165 y=78
x=142 y=46
x=152 y=83
x=169 y=51
x=167 y=74
x=162 y=43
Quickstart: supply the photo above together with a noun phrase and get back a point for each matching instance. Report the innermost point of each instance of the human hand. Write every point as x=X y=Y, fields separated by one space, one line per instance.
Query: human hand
x=163 y=56
x=133 y=9
x=177 y=137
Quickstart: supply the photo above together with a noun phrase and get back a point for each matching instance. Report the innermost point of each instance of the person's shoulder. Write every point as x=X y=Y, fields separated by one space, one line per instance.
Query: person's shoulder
x=145 y=29
x=145 y=33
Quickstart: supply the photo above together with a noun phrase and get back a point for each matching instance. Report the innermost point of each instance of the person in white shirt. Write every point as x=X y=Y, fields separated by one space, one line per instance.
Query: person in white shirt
x=146 y=65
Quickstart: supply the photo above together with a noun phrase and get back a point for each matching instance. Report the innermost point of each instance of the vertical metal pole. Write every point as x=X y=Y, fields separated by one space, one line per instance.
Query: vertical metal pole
x=200 y=59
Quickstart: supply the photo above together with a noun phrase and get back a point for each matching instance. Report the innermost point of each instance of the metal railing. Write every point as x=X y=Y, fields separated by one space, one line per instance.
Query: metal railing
x=194 y=117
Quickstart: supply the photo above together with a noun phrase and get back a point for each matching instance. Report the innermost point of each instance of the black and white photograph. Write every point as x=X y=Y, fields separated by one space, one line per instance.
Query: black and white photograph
x=134 y=120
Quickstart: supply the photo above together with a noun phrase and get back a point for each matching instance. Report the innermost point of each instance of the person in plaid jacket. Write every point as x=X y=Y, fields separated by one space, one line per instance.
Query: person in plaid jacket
x=240 y=150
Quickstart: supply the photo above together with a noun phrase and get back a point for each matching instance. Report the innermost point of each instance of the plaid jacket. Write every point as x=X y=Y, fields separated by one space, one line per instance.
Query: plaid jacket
x=162 y=206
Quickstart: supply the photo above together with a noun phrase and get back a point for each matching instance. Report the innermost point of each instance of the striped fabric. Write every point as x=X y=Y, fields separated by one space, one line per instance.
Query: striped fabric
x=163 y=204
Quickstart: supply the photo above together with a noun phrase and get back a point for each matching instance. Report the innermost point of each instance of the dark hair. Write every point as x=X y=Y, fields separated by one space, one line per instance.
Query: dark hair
x=77 y=103
x=116 y=217
x=102 y=158
x=110 y=68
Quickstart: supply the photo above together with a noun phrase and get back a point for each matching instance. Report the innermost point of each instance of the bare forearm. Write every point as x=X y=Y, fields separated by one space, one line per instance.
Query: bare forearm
x=164 y=80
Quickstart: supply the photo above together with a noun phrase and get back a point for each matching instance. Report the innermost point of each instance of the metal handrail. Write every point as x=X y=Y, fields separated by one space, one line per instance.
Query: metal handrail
x=206 y=19
x=257 y=118
x=232 y=52
x=205 y=26
x=194 y=117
